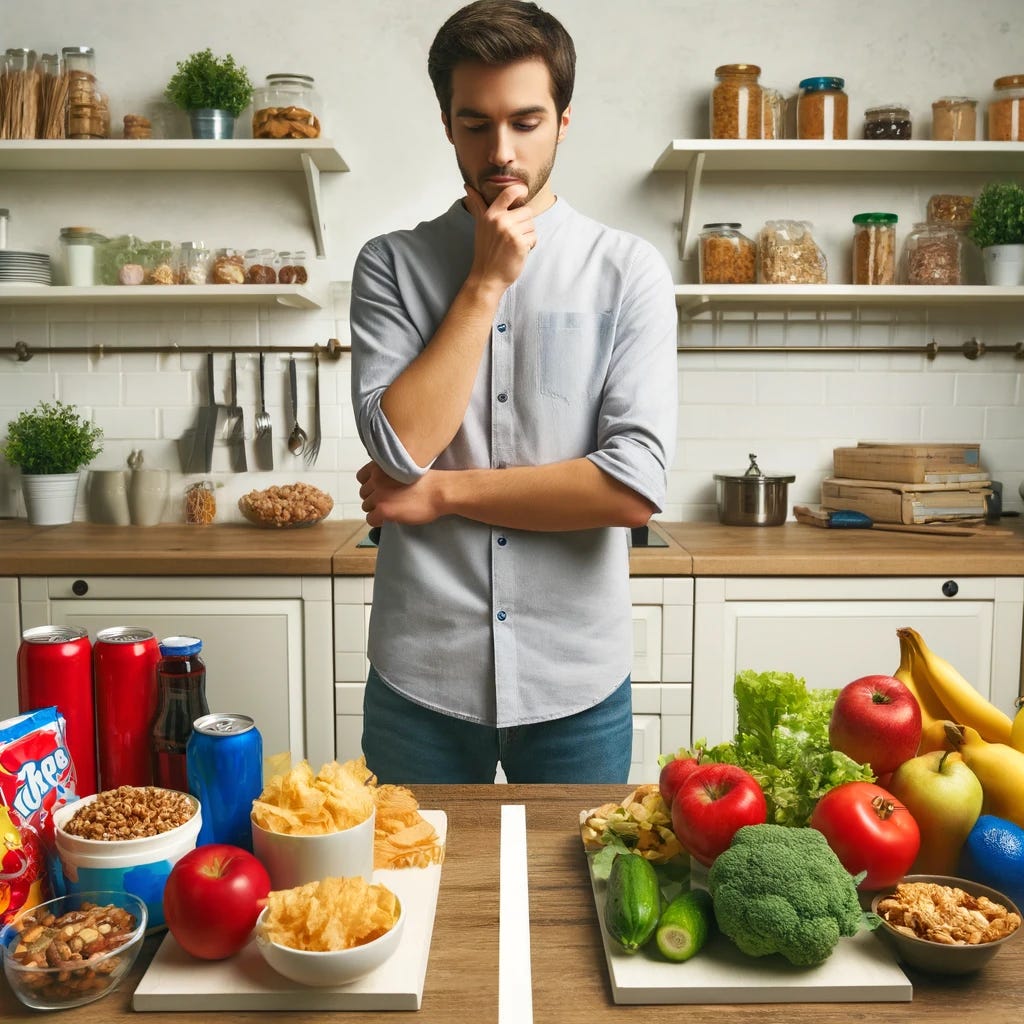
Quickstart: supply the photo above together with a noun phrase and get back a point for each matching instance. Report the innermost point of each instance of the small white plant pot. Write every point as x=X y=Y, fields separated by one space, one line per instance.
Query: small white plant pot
x=1004 y=265
x=50 y=497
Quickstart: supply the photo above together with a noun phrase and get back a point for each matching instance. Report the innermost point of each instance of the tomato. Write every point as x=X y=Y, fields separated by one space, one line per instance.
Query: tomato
x=212 y=898
x=869 y=830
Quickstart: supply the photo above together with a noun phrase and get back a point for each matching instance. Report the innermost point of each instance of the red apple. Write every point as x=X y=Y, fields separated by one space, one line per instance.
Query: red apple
x=876 y=720
x=672 y=776
x=212 y=898
x=712 y=803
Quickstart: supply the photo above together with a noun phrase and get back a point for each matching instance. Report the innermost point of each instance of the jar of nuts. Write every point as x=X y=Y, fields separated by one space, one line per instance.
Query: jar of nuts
x=933 y=254
x=822 y=109
x=890 y=121
x=260 y=266
x=736 y=102
x=788 y=254
x=287 y=107
x=228 y=267
x=726 y=256
x=1006 y=110
x=949 y=208
x=874 y=248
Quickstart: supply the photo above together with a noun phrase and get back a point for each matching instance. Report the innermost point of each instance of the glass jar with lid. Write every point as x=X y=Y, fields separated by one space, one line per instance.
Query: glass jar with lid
x=160 y=262
x=933 y=254
x=822 y=109
x=292 y=269
x=193 y=266
x=955 y=119
x=788 y=254
x=725 y=255
x=888 y=121
x=286 y=107
x=1006 y=110
x=18 y=80
x=736 y=102
x=228 y=267
x=80 y=246
x=88 y=112
x=874 y=248
x=260 y=266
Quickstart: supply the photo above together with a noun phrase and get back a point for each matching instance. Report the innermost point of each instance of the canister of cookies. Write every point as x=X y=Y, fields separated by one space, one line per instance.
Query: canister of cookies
x=88 y=111
x=287 y=107
x=726 y=255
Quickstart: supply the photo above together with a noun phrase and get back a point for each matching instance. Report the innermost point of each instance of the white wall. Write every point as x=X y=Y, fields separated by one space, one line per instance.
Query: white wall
x=644 y=71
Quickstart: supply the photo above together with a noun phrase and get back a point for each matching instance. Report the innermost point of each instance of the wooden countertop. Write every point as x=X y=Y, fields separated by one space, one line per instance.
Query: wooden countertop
x=330 y=548
x=570 y=979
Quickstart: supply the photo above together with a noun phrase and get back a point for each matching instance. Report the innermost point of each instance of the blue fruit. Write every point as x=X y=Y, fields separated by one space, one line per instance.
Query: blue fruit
x=993 y=854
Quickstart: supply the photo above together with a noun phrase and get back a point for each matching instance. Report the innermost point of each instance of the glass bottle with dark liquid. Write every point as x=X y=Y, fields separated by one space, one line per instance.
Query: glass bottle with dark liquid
x=181 y=699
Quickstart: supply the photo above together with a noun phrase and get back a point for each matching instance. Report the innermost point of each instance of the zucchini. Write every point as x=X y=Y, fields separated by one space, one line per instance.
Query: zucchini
x=684 y=925
x=633 y=901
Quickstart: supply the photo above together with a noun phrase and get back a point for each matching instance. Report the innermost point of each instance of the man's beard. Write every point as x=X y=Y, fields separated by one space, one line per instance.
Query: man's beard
x=533 y=184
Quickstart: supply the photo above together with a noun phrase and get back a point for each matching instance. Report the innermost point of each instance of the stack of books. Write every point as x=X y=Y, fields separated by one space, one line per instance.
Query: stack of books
x=909 y=483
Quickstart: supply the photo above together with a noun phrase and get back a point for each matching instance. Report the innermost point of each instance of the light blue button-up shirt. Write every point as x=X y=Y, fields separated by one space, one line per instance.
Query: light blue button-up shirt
x=499 y=626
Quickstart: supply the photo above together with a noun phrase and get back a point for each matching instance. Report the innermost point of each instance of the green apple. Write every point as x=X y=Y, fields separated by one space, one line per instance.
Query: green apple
x=945 y=797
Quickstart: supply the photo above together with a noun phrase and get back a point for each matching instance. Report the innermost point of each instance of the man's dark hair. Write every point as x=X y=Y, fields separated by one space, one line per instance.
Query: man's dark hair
x=499 y=32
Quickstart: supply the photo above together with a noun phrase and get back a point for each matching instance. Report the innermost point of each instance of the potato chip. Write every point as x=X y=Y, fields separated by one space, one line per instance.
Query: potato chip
x=332 y=914
x=299 y=803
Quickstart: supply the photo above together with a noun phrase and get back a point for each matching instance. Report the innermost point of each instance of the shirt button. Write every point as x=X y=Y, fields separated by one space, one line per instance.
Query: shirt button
x=502 y=616
x=502 y=541
x=502 y=328
x=502 y=396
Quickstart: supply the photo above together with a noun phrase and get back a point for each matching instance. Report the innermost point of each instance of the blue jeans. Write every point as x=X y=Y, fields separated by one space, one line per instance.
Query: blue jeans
x=406 y=743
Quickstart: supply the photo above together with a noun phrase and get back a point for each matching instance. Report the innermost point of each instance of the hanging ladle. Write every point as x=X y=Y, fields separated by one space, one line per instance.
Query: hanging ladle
x=297 y=438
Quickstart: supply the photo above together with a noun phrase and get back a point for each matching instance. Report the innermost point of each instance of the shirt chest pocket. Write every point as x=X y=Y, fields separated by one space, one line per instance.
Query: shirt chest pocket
x=573 y=351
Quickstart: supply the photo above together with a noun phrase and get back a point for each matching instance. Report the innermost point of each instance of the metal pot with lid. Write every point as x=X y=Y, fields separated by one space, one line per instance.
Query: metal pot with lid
x=752 y=498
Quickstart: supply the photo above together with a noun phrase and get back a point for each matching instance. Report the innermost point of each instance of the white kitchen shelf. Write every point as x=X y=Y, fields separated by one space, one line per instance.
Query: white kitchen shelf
x=235 y=155
x=291 y=295
x=695 y=299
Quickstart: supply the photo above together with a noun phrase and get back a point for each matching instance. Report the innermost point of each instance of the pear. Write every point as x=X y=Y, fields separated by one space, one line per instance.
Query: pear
x=945 y=797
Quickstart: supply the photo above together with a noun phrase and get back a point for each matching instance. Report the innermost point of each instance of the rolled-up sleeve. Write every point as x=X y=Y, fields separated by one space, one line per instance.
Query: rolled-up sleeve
x=384 y=342
x=639 y=404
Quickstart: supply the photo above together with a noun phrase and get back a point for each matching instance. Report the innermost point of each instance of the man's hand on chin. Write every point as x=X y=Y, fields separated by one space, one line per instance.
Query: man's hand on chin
x=387 y=500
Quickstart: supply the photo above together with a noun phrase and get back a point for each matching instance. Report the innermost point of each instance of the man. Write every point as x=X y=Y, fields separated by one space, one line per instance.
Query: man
x=514 y=382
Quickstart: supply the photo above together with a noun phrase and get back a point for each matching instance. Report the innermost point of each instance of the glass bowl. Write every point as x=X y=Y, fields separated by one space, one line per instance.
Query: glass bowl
x=72 y=982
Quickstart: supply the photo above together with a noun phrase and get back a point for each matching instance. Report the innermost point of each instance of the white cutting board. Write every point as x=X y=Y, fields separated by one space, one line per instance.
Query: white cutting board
x=177 y=981
x=860 y=970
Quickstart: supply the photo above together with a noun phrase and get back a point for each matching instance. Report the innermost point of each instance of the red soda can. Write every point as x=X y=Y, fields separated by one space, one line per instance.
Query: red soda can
x=55 y=668
x=124 y=674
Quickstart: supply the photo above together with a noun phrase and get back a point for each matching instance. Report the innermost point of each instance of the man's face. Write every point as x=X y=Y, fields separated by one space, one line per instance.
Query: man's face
x=504 y=127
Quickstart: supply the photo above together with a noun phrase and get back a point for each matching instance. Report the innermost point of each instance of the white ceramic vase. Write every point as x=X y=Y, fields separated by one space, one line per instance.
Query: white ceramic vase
x=50 y=497
x=147 y=496
x=1004 y=265
x=106 y=497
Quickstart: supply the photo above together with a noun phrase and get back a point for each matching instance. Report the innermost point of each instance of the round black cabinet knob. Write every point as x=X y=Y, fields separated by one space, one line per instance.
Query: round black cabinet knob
x=950 y=588
x=80 y=588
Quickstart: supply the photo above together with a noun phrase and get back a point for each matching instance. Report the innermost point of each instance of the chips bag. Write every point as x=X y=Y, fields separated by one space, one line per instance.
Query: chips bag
x=37 y=777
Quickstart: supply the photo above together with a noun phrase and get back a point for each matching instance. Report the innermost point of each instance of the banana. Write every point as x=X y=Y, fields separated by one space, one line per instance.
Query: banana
x=1017 y=729
x=910 y=675
x=964 y=703
x=999 y=768
x=933 y=737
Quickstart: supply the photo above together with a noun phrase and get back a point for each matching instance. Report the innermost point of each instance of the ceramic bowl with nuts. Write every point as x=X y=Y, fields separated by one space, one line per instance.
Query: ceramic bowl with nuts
x=126 y=839
x=74 y=949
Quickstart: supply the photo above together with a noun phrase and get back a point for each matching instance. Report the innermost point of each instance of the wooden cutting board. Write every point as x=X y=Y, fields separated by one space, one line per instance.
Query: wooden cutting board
x=177 y=981
x=860 y=970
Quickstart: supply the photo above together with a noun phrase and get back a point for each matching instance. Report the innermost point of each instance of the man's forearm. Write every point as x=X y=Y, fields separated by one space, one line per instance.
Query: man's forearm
x=572 y=495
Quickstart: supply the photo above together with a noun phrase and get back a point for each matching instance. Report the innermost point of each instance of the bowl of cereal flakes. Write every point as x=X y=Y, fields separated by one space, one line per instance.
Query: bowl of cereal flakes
x=126 y=840
x=945 y=925
x=286 y=506
x=74 y=949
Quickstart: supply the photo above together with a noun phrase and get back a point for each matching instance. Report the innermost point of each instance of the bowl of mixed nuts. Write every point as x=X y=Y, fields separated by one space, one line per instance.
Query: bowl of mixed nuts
x=126 y=839
x=74 y=949
x=945 y=925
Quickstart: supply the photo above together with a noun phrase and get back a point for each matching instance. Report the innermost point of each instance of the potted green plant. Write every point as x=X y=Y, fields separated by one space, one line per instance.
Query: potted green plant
x=50 y=444
x=212 y=90
x=997 y=228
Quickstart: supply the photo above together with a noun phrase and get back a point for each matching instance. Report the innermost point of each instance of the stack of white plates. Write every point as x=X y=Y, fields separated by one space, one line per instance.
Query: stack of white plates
x=24 y=268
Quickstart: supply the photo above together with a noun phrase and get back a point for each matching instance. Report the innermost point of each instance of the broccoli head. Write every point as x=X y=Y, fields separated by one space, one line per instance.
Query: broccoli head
x=779 y=889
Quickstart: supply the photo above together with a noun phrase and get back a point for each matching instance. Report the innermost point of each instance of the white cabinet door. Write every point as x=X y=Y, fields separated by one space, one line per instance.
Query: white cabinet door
x=833 y=631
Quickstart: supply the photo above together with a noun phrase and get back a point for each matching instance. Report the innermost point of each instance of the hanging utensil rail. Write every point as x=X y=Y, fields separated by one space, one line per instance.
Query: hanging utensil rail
x=23 y=352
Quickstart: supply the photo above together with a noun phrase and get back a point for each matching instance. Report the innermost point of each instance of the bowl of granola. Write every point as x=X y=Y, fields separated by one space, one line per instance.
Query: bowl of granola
x=287 y=506
x=945 y=925
x=126 y=840
x=74 y=949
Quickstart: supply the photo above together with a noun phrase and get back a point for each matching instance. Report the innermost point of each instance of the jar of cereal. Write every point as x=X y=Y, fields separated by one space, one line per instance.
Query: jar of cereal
x=193 y=263
x=726 y=256
x=933 y=254
x=736 y=102
x=822 y=109
x=874 y=248
x=955 y=119
x=1006 y=110
x=788 y=254
x=159 y=262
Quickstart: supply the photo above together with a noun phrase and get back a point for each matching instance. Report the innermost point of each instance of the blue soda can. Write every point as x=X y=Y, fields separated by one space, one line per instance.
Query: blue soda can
x=224 y=761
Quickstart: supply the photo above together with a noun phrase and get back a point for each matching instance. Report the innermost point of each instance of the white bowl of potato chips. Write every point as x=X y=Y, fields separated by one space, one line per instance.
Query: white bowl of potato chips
x=329 y=933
